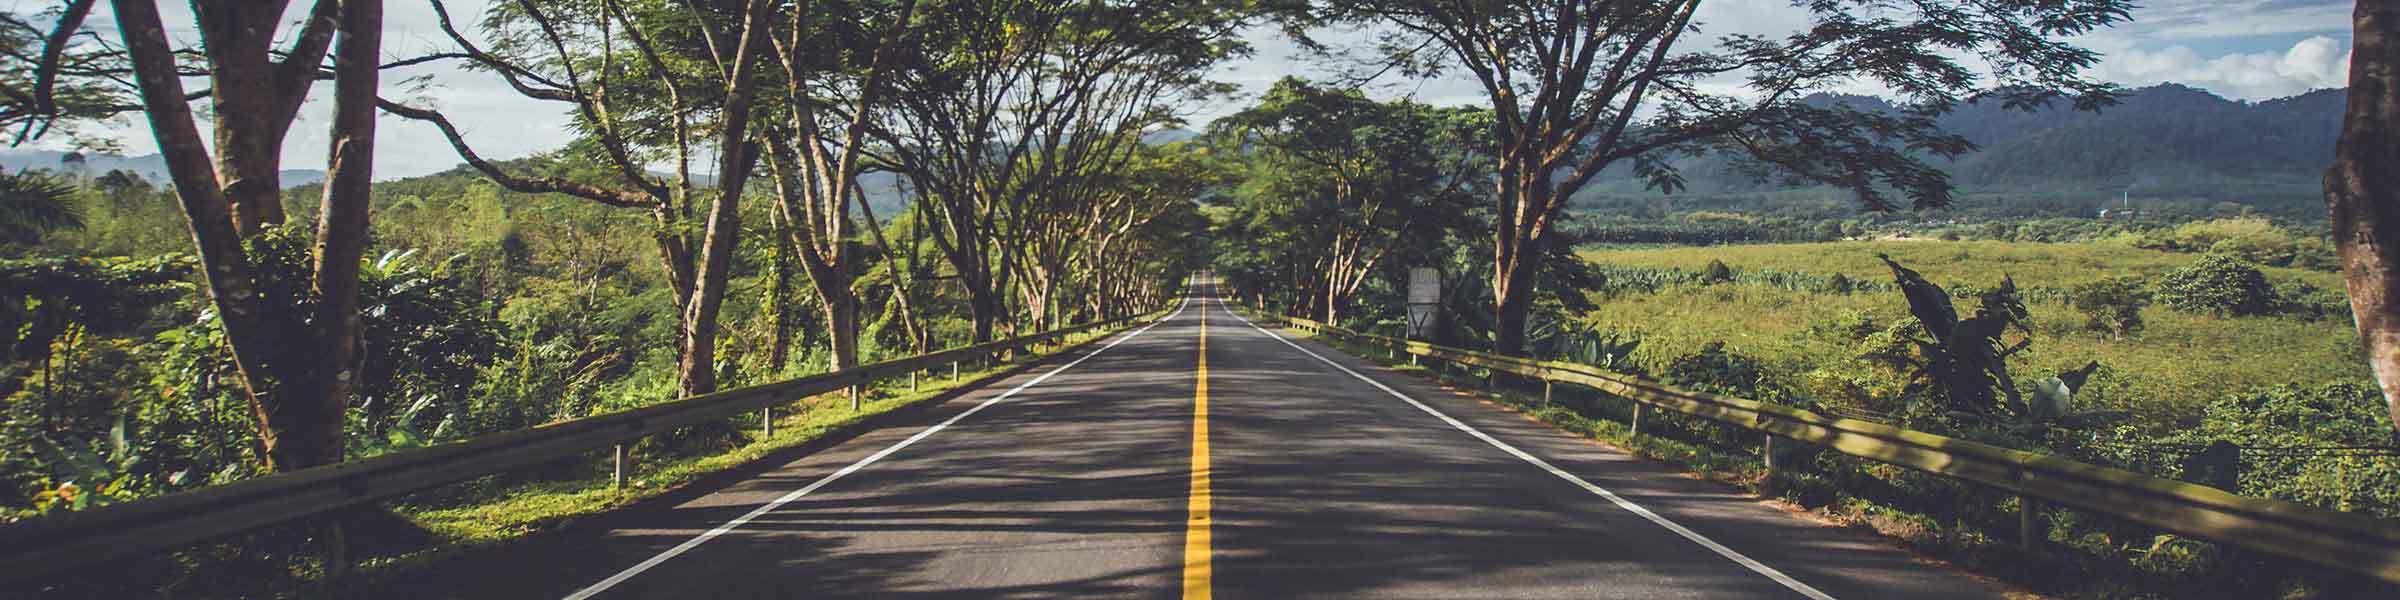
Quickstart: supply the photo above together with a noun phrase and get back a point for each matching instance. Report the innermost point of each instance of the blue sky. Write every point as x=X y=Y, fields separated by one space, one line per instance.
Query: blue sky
x=2247 y=50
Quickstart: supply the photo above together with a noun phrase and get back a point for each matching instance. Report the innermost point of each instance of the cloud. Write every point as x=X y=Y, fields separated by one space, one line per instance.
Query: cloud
x=2313 y=63
x=2197 y=20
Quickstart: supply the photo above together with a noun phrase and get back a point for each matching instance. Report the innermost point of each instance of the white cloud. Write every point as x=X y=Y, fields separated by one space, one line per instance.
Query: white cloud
x=2196 y=20
x=2313 y=63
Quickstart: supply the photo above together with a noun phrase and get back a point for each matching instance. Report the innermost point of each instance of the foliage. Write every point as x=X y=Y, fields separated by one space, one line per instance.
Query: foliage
x=2112 y=305
x=2219 y=284
x=1716 y=272
x=1716 y=369
x=2326 y=445
x=33 y=205
x=1832 y=347
x=2251 y=239
x=1338 y=185
x=1966 y=359
x=428 y=338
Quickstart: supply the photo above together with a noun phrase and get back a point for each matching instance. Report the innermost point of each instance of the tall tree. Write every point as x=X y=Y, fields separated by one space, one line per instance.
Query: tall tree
x=296 y=354
x=828 y=100
x=569 y=52
x=1577 y=86
x=1004 y=102
x=2362 y=191
x=1365 y=177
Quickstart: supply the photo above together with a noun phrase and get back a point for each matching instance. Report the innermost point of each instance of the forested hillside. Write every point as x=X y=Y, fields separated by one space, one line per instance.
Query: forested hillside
x=2164 y=141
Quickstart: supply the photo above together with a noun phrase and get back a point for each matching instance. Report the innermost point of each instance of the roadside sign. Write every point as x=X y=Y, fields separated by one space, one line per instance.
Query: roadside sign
x=1424 y=297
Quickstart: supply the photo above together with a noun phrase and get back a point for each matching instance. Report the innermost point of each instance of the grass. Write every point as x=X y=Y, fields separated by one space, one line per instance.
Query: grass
x=2163 y=374
x=1950 y=263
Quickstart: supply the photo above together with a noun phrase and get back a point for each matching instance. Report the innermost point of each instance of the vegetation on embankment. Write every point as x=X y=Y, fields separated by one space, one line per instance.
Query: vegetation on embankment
x=1780 y=307
x=456 y=522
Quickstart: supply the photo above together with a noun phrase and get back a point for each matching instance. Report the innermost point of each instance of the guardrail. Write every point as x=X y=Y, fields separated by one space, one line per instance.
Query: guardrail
x=2346 y=541
x=60 y=541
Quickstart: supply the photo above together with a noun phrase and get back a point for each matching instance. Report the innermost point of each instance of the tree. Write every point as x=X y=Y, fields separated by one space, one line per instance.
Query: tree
x=568 y=52
x=2112 y=305
x=2218 y=284
x=2362 y=191
x=1365 y=177
x=1005 y=110
x=296 y=352
x=1578 y=86
x=817 y=150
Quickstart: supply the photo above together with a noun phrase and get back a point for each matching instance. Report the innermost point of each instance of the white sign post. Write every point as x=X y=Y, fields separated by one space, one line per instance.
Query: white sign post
x=1424 y=297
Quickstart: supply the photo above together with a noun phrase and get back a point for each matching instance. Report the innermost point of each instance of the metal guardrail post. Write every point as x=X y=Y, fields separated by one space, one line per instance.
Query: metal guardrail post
x=1546 y=393
x=2030 y=530
x=854 y=394
x=1766 y=454
x=954 y=371
x=766 y=422
x=617 y=477
x=1636 y=428
x=912 y=381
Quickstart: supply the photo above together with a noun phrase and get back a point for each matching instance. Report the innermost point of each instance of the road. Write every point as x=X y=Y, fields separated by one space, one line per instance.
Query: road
x=1314 y=475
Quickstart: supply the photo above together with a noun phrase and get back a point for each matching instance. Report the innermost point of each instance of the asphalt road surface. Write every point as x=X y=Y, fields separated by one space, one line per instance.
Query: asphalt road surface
x=1314 y=475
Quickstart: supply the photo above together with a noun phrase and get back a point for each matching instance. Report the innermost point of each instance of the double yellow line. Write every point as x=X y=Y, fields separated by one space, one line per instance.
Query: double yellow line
x=1196 y=547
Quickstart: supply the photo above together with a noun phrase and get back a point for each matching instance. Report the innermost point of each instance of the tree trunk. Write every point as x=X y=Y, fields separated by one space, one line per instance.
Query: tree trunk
x=262 y=338
x=251 y=120
x=983 y=306
x=2362 y=191
x=322 y=386
x=841 y=316
x=1517 y=259
x=699 y=373
x=779 y=295
x=1333 y=309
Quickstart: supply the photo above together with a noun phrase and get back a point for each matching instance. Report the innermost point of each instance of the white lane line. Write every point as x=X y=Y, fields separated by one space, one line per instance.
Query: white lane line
x=1737 y=557
x=737 y=522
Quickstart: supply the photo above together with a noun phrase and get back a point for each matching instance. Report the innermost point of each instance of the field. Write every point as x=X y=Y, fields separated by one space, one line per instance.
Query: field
x=2162 y=374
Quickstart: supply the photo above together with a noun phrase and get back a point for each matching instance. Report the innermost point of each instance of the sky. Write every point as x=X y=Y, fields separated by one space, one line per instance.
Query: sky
x=2246 y=50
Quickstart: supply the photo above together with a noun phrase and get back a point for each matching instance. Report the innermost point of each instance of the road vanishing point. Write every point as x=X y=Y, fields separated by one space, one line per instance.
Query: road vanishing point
x=1204 y=456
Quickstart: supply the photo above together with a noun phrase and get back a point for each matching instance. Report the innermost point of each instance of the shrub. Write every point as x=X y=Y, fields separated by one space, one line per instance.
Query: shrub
x=1716 y=369
x=2270 y=425
x=2254 y=239
x=2112 y=305
x=1716 y=272
x=2218 y=284
x=1840 y=284
x=2310 y=302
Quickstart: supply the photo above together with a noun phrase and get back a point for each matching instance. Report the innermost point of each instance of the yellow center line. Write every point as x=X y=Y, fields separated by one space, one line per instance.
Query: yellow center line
x=1196 y=559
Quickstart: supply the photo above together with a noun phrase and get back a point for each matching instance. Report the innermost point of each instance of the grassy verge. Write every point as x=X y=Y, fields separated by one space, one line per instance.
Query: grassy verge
x=2084 y=556
x=497 y=514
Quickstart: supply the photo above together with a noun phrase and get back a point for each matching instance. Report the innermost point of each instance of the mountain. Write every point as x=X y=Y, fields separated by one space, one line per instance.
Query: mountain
x=150 y=166
x=2167 y=140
